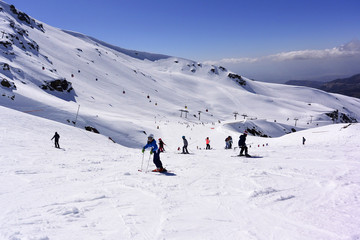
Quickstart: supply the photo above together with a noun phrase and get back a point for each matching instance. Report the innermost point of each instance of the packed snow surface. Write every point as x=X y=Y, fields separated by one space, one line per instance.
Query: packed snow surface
x=91 y=188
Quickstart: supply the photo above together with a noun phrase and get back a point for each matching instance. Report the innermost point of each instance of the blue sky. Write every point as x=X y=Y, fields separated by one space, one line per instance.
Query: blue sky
x=206 y=29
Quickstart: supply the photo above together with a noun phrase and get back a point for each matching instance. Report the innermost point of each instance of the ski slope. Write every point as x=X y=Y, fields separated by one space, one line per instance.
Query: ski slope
x=91 y=188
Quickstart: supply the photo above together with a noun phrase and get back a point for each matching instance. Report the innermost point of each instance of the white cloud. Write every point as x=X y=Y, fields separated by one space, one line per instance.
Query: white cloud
x=348 y=50
x=305 y=64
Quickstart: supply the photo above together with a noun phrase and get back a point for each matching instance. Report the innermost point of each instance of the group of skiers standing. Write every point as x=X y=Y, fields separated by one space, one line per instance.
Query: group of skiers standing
x=156 y=151
x=229 y=141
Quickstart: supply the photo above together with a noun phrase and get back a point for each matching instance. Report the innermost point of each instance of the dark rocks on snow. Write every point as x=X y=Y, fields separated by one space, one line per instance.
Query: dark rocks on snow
x=34 y=45
x=255 y=132
x=337 y=116
x=25 y=18
x=6 y=67
x=8 y=84
x=21 y=16
x=223 y=69
x=237 y=78
x=6 y=43
x=60 y=85
x=91 y=129
x=19 y=39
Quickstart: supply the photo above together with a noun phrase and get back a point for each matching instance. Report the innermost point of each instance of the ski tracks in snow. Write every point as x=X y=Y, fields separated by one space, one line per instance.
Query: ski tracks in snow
x=127 y=202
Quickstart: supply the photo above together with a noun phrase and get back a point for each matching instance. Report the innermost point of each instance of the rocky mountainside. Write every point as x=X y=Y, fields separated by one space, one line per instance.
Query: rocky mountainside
x=77 y=80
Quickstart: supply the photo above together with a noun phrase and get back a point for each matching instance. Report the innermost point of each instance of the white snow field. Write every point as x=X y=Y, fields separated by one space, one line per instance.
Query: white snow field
x=91 y=188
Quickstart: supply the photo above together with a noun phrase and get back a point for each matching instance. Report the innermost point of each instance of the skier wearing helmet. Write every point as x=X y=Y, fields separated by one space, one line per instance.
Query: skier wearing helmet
x=242 y=145
x=154 y=150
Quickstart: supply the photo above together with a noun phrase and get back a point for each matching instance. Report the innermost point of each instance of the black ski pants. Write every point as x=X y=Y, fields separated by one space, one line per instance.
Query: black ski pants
x=57 y=143
x=243 y=148
x=185 y=150
x=156 y=159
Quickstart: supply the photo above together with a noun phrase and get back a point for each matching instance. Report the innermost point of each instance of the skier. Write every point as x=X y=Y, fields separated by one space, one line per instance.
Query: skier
x=228 y=142
x=242 y=145
x=185 y=150
x=304 y=140
x=207 y=143
x=154 y=150
x=56 y=136
x=161 y=145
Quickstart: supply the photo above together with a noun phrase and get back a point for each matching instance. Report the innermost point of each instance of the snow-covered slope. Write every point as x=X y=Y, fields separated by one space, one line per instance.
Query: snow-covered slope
x=91 y=189
x=124 y=93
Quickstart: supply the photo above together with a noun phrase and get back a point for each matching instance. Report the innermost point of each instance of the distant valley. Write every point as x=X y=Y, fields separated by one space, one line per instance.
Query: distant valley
x=347 y=86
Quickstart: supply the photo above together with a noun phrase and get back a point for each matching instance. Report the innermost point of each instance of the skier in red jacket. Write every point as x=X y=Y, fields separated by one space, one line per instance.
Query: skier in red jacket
x=207 y=143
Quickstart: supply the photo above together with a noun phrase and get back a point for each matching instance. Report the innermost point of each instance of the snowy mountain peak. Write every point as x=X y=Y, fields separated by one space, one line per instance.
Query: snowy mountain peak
x=19 y=17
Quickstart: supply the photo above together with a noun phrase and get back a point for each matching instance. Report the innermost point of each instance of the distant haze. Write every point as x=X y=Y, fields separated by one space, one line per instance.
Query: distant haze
x=326 y=64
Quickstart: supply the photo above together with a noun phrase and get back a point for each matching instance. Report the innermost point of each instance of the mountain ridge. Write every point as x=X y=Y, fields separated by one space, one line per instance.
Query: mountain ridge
x=122 y=93
x=349 y=86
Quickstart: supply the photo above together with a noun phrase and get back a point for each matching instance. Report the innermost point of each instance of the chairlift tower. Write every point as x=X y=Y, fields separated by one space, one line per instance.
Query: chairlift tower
x=296 y=119
x=235 y=114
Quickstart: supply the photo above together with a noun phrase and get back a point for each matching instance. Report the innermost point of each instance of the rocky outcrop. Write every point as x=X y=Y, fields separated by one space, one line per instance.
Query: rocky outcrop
x=8 y=84
x=92 y=129
x=256 y=132
x=60 y=85
x=24 y=18
x=60 y=88
x=237 y=78
x=20 y=38
x=338 y=117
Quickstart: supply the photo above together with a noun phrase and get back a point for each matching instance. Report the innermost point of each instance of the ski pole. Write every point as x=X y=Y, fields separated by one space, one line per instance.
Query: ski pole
x=148 y=163
x=142 y=162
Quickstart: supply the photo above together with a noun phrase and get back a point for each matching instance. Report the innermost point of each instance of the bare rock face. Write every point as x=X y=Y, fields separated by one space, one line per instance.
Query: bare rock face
x=337 y=116
x=60 y=88
x=9 y=87
x=23 y=17
x=60 y=85
x=8 y=84
x=237 y=78
x=91 y=129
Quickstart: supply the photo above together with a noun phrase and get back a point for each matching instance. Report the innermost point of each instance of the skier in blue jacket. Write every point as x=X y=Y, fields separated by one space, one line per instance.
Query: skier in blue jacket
x=154 y=150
